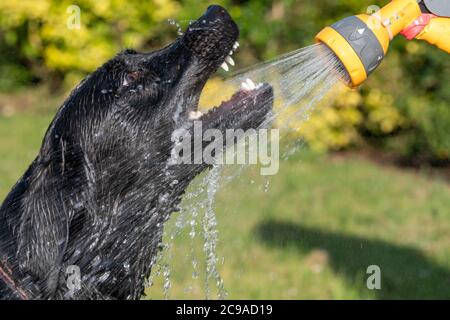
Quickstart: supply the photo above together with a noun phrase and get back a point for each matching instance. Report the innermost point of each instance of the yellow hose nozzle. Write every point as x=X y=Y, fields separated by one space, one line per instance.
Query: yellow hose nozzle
x=362 y=41
x=437 y=32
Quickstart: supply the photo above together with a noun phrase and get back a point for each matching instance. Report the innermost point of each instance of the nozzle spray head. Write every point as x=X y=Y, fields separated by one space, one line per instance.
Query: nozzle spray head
x=357 y=47
x=362 y=41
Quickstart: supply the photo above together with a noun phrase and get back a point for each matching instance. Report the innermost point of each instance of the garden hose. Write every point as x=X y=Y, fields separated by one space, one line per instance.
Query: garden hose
x=361 y=42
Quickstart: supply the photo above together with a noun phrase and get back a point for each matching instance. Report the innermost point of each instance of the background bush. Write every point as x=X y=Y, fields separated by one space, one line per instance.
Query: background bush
x=403 y=107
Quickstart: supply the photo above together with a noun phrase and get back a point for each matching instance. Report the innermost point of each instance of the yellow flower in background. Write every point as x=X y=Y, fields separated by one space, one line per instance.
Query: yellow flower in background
x=106 y=27
x=383 y=117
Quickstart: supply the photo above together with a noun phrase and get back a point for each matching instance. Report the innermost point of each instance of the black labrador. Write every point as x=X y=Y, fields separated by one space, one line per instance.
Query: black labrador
x=102 y=185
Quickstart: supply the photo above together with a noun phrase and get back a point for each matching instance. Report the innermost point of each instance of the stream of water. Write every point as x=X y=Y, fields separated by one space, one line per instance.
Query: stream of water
x=300 y=79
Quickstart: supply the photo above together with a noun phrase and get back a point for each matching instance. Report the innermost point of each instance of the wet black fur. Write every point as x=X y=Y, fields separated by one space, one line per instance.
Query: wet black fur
x=101 y=188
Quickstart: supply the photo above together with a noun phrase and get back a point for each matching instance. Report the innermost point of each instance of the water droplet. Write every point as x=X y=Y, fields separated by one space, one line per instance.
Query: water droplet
x=96 y=261
x=104 y=276
x=266 y=185
x=177 y=25
x=188 y=289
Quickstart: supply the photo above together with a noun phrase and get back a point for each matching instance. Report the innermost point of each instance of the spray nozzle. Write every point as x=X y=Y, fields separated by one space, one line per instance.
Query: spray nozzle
x=355 y=44
x=362 y=41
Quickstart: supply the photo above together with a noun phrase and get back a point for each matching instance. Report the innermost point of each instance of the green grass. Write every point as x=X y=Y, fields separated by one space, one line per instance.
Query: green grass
x=20 y=138
x=311 y=236
x=318 y=228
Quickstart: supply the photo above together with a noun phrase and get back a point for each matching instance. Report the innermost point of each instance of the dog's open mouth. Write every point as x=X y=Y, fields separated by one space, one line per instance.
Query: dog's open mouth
x=243 y=101
x=213 y=41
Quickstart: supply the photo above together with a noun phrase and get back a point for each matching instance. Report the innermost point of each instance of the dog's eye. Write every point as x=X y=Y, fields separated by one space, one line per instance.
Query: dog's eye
x=133 y=76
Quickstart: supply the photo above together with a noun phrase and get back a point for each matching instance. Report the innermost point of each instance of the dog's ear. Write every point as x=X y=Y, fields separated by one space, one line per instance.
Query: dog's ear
x=43 y=230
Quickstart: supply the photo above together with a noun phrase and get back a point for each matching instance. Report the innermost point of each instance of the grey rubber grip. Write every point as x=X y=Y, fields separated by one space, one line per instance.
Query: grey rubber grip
x=362 y=40
x=440 y=8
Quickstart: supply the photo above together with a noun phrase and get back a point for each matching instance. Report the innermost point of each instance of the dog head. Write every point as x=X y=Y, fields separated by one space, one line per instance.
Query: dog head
x=144 y=94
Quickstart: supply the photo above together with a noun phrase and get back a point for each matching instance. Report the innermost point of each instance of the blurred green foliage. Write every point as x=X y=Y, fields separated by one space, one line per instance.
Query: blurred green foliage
x=403 y=106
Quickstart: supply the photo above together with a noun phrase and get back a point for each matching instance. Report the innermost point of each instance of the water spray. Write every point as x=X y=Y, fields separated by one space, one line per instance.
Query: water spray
x=362 y=41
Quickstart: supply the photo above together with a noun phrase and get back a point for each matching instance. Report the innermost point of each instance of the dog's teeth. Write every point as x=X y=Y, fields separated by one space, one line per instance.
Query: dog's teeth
x=230 y=61
x=259 y=85
x=194 y=115
x=225 y=67
x=231 y=52
x=250 y=84
x=236 y=45
x=244 y=86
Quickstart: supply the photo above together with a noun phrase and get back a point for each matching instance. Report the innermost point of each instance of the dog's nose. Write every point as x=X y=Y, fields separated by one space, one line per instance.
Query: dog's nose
x=216 y=11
